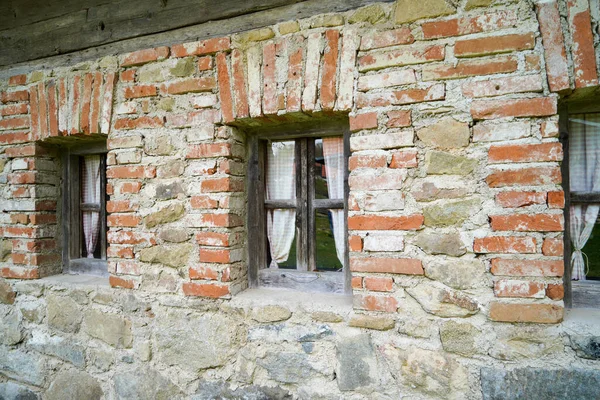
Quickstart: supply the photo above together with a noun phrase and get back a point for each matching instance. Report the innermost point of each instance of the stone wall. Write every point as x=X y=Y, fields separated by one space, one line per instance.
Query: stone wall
x=455 y=212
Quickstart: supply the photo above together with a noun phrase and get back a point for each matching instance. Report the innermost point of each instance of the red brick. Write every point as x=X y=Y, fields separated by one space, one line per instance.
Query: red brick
x=328 y=81
x=15 y=109
x=129 y=237
x=512 y=288
x=14 y=96
x=355 y=243
x=399 y=119
x=116 y=206
x=556 y=199
x=404 y=159
x=118 y=282
x=376 y=303
x=535 y=313
x=209 y=150
x=17 y=80
x=143 y=122
x=527 y=222
x=19 y=273
x=225 y=88
x=377 y=222
x=205 y=63
x=269 y=79
x=203 y=202
x=86 y=103
x=517 y=153
x=468 y=68
x=294 y=83
x=125 y=172
x=205 y=289
x=42 y=219
x=14 y=123
x=515 y=199
x=363 y=121
x=467 y=25
x=222 y=185
x=194 y=118
x=387 y=179
x=190 y=85
x=405 y=56
x=123 y=220
x=557 y=67
x=213 y=239
x=239 y=84
x=96 y=102
x=377 y=284
x=492 y=109
x=505 y=244
x=357 y=282
x=202 y=47
x=376 y=40
x=582 y=50
x=494 y=45
x=407 y=266
x=500 y=86
x=525 y=176
x=127 y=76
x=533 y=62
x=130 y=187
x=553 y=247
x=401 y=97
x=221 y=220
x=75 y=105
x=19 y=219
x=367 y=161
x=119 y=252
x=549 y=129
x=141 y=57
x=203 y=272
x=134 y=92
x=52 y=109
x=555 y=291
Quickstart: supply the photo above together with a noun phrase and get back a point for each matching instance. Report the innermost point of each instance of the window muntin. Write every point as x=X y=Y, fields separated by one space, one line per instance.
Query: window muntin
x=84 y=210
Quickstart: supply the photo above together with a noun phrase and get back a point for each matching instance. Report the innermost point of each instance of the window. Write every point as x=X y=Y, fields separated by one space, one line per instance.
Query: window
x=297 y=212
x=582 y=183
x=84 y=210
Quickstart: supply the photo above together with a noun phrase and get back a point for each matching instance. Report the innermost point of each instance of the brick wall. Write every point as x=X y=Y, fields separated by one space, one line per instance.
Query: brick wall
x=455 y=205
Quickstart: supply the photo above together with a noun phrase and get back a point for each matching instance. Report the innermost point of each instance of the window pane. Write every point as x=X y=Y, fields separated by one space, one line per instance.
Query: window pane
x=90 y=196
x=591 y=252
x=584 y=152
x=329 y=166
x=328 y=250
x=281 y=232
x=281 y=171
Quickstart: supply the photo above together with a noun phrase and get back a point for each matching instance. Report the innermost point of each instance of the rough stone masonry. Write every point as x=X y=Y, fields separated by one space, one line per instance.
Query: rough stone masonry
x=455 y=223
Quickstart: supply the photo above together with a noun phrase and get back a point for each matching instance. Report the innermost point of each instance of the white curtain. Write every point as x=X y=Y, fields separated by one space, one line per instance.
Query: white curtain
x=90 y=193
x=584 y=176
x=281 y=185
x=333 y=153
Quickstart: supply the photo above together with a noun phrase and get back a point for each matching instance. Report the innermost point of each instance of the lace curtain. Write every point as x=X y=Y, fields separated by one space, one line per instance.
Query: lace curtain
x=90 y=193
x=333 y=153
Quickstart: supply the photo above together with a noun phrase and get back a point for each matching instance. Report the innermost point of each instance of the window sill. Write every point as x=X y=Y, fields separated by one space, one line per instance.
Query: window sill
x=293 y=300
x=76 y=280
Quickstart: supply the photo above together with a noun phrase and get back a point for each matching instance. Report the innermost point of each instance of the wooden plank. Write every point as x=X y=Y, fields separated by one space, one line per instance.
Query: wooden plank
x=302 y=230
x=74 y=238
x=329 y=282
x=580 y=197
x=586 y=294
x=90 y=207
x=272 y=204
x=564 y=169
x=347 y=272
x=328 y=204
x=311 y=214
x=89 y=266
x=103 y=200
x=31 y=41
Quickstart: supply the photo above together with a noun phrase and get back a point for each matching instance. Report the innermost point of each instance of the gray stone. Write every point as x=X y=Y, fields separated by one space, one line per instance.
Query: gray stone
x=210 y=338
x=447 y=133
x=586 y=346
x=158 y=145
x=63 y=313
x=287 y=367
x=170 y=170
x=419 y=328
x=7 y=295
x=5 y=249
x=101 y=358
x=326 y=316
x=110 y=328
x=74 y=385
x=451 y=212
x=441 y=243
x=170 y=213
x=33 y=310
x=371 y=14
x=144 y=383
x=167 y=191
x=357 y=363
x=255 y=35
x=434 y=373
x=172 y=256
x=443 y=301
x=441 y=163
x=10 y=325
x=222 y=391
x=184 y=67
x=166 y=104
x=65 y=349
x=22 y=366
x=515 y=343
x=459 y=338
x=371 y=322
x=174 y=235
x=277 y=333
x=269 y=314
x=12 y=391
x=429 y=191
x=458 y=274
x=537 y=383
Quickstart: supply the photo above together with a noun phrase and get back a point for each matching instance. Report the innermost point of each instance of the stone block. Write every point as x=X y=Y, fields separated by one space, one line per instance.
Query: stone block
x=174 y=235
x=371 y=322
x=25 y=367
x=10 y=325
x=443 y=301
x=167 y=191
x=65 y=349
x=63 y=313
x=110 y=328
x=170 y=213
x=173 y=256
x=410 y=10
x=13 y=391
x=460 y=338
x=269 y=314
x=287 y=367
x=441 y=243
x=452 y=212
x=224 y=391
x=144 y=383
x=446 y=133
x=73 y=384
x=184 y=67
x=515 y=343
x=586 y=346
x=440 y=163
x=7 y=295
x=458 y=274
x=371 y=14
x=357 y=362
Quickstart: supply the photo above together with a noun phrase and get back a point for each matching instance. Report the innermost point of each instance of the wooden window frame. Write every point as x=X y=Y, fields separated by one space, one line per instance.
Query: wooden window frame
x=304 y=278
x=578 y=294
x=73 y=262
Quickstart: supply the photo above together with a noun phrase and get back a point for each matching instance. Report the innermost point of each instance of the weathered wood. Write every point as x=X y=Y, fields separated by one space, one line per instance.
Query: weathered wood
x=88 y=266
x=272 y=204
x=328 y=204
x=311 y=214
x=19 y=44
x=586 y=294
x=330 y=282
x=577 y=197
x=564 y=169
x=347 y=273
x=303 y=263
x=89 y=207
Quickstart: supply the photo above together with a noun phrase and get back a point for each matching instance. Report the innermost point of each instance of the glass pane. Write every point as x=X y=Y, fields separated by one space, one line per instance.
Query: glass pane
x=329 y=167
x=591 y=252
x=584 y=152
x=90 y=195
x=328 y=255
x=281 y=233
x=281 y=171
